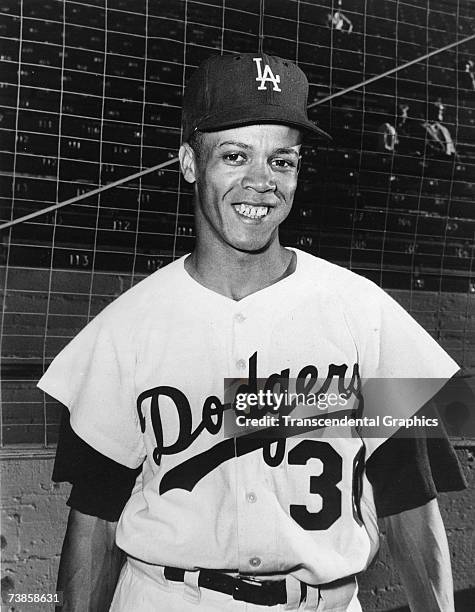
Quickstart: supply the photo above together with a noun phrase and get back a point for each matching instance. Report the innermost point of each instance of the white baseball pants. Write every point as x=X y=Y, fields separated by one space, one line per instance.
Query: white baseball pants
x=139 y=592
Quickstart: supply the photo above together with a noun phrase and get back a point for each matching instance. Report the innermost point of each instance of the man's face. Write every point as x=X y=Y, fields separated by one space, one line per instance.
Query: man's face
x=245 y=180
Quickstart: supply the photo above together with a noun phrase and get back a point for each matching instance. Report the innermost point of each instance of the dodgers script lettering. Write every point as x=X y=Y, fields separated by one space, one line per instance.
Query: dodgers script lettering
x=187 y=474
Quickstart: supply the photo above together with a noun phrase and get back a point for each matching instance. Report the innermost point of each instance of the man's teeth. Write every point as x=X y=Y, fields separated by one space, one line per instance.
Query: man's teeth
x=253 y=212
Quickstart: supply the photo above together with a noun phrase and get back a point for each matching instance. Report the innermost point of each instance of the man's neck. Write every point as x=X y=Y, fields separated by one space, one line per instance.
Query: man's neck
x=236 y=274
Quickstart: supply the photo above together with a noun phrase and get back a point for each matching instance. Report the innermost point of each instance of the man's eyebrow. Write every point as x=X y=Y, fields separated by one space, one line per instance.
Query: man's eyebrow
x=243 y=145
x=287 y=151
x=234 y=143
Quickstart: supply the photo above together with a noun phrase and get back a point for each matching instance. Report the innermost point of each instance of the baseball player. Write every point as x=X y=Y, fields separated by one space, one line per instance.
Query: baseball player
x=214 y=521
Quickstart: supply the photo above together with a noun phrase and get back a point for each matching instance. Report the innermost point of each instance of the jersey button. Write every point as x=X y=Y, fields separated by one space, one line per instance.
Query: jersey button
x=254 y=562
x=239 y=317
x=241 y=364
x=251 y=498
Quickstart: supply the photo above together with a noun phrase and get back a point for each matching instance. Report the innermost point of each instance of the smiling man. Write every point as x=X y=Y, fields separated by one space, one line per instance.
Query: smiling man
x=216 y=522
x=245 y=183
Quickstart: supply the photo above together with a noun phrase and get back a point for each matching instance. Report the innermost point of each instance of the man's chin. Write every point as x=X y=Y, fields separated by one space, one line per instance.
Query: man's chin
x=253 y=242
x=252 y=246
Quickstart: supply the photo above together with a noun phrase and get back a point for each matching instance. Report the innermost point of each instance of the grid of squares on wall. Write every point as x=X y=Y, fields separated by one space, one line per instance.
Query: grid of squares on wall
x=91 y=92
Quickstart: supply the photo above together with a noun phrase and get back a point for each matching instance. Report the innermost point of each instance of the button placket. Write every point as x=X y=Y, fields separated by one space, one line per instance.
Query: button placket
x=238 y=332
x=244 y=336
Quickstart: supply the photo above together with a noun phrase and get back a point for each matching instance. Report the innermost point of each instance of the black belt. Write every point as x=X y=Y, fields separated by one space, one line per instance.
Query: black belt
x=265 y=593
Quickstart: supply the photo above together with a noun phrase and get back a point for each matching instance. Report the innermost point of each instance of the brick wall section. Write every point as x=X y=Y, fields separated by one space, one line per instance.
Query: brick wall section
x=33 y=521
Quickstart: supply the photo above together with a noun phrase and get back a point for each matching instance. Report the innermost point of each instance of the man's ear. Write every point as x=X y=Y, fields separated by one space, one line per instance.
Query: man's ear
x=299 y=164
x=187 y=162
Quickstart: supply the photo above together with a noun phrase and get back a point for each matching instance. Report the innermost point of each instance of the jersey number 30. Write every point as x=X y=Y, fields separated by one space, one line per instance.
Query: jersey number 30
x=325 y=485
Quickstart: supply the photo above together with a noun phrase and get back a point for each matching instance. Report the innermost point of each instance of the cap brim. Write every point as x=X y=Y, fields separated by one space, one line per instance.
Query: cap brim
x=238 y=117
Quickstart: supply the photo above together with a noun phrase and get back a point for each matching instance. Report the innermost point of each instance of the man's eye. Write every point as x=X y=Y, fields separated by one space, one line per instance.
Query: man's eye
x=234 y=158
x=284 y=163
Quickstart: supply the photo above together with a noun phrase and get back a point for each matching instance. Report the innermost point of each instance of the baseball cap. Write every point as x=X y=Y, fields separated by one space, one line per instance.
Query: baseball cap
x=234 y=90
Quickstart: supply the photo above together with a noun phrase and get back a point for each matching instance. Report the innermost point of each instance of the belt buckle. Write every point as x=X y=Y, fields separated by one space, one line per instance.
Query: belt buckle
x=255 y=591
x=248 y=590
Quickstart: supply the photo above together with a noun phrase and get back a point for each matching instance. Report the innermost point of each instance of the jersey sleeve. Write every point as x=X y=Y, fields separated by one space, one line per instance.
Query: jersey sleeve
x=402 y=366
x=100 y=486
x=401 y=348
x=94 y=377
x=407 y=472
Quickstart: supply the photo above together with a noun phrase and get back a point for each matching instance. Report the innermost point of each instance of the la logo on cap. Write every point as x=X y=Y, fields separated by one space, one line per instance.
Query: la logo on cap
x=266 y=76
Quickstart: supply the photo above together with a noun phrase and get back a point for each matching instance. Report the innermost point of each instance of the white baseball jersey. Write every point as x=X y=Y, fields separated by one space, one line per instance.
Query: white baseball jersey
x=144 y=383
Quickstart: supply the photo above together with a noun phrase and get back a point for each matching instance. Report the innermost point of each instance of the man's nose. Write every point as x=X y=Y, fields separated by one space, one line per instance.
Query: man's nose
x=259 y=177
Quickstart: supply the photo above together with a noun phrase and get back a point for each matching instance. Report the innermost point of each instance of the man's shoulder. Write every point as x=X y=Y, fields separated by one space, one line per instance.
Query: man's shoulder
x=334 y=277
x=342 y=290
x=148 y=296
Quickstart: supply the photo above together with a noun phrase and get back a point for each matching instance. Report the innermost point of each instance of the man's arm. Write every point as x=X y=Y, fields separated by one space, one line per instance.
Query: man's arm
x=418 y=544
x=90 y=564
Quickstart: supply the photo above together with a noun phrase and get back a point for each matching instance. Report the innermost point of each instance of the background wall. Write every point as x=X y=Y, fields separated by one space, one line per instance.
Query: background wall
x=91 y=92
